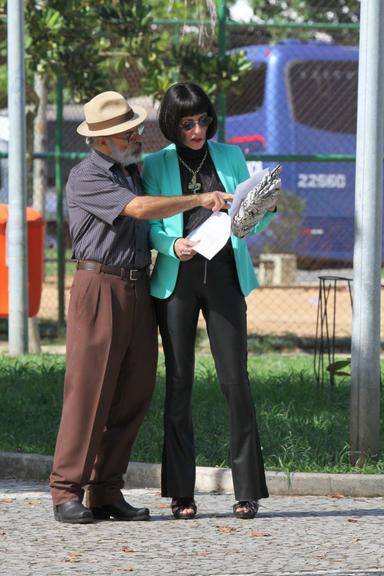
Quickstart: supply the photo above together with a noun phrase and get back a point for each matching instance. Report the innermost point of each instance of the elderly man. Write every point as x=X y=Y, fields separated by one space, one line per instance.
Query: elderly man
x=111 y=332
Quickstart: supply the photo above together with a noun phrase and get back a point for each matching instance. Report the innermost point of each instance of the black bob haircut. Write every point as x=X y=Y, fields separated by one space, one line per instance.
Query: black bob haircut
x=180 y=100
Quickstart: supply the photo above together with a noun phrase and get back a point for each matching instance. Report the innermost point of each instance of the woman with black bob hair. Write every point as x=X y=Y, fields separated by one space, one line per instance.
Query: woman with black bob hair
x=185 y=100
x=184 y=283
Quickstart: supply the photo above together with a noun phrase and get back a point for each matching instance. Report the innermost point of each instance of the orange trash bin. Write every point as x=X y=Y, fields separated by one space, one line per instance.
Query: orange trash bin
x=35 y=232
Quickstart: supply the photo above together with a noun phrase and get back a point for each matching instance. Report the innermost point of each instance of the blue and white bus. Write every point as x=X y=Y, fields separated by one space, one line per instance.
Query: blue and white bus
x=300 y=98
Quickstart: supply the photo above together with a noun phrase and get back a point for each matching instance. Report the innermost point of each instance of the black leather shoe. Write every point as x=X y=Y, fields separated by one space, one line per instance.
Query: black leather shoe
x=73 y=512
x=120 y=510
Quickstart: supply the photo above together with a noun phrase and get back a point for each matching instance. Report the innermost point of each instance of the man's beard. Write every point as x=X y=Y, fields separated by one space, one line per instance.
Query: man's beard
x=125 y=157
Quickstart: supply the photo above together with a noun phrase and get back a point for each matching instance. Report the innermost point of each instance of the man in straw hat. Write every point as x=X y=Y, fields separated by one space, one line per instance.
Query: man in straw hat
x=111 y=332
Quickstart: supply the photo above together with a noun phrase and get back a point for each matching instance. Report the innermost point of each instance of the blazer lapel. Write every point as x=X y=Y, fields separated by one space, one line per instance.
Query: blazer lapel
x=221 y=164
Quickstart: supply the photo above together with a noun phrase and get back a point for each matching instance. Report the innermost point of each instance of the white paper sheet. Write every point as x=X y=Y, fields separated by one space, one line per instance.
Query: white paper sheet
x=243 y=188
x=211 y=234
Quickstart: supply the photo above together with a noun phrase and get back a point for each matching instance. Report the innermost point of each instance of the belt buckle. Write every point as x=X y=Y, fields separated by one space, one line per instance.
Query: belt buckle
x=133 y=275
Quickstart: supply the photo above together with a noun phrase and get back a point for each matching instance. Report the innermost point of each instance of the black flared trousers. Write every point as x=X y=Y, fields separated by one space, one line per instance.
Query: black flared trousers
x=213 y=288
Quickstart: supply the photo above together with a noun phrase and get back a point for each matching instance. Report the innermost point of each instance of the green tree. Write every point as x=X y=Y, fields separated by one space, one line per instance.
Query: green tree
x=346 y=11
x=185 y=48
x=100 y=44
x=73 y=38
x=302 y=11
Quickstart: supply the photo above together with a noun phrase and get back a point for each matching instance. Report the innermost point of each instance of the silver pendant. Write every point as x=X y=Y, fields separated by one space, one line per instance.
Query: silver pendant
x=194 y=186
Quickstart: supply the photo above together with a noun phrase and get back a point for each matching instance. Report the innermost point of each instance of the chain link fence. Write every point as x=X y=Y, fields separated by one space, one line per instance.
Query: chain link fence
x=296 y=105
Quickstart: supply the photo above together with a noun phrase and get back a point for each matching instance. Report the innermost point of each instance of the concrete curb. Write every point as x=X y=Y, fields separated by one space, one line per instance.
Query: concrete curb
x=141 y=475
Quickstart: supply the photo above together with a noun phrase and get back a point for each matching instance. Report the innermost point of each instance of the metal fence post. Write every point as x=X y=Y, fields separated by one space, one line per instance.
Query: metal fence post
x=17 y=248
x=221 y=54
x=365 y=392
x=60 y=200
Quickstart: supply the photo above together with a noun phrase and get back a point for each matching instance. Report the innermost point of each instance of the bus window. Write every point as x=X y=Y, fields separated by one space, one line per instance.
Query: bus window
x=248 y=96
x=323 y=94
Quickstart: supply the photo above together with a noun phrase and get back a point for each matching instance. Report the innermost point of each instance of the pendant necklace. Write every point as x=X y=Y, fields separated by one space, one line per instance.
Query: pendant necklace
x=193 y=185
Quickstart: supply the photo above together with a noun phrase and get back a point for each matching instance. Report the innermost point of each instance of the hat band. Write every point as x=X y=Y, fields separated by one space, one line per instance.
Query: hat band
x=112 y=122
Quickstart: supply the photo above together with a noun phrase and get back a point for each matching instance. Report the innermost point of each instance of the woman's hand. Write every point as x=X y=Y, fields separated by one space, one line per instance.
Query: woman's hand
x=183 y=249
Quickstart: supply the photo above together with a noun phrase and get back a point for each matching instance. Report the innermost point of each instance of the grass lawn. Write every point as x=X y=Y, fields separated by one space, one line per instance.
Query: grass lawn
x=302 y=427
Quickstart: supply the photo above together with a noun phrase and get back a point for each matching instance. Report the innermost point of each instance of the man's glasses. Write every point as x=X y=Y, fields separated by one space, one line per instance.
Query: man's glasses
x=129 y=136
x=203 y=122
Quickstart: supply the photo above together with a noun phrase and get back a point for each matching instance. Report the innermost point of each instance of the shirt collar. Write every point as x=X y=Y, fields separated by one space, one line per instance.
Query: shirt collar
x=103 y=160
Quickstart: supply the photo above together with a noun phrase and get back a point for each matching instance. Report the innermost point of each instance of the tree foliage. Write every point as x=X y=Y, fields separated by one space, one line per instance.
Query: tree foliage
x=74 y=38
x=114 y=44
x=342 y=11
x=303 y=11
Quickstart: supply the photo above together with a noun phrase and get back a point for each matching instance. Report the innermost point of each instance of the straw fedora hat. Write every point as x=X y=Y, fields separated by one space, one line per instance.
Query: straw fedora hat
x=109 y=113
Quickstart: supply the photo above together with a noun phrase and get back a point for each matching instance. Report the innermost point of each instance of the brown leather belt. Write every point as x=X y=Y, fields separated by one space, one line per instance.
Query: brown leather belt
x=123 y=273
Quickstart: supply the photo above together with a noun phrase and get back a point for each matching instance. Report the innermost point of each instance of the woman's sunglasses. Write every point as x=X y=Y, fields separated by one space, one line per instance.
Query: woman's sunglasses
x=203 y=122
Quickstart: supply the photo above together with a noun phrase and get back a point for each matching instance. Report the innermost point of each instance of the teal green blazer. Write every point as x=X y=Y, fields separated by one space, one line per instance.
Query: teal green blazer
x=161 y=177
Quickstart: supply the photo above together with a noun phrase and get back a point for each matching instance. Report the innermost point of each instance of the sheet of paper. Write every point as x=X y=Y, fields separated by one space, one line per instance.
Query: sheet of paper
x=243 y=188
x=211 y=234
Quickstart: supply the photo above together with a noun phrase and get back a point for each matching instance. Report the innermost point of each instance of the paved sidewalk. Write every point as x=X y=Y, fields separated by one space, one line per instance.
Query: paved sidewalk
x=290 y=536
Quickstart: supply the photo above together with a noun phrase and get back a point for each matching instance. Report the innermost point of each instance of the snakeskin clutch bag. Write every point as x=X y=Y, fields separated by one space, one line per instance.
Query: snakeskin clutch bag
x=255 y=204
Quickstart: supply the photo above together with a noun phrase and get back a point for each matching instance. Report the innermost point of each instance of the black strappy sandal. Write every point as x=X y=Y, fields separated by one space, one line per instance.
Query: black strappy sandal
x=245 y=509
x=179 y=507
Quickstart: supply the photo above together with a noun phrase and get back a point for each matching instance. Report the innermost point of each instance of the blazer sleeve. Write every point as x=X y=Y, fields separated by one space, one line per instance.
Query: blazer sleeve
x=159 y=238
